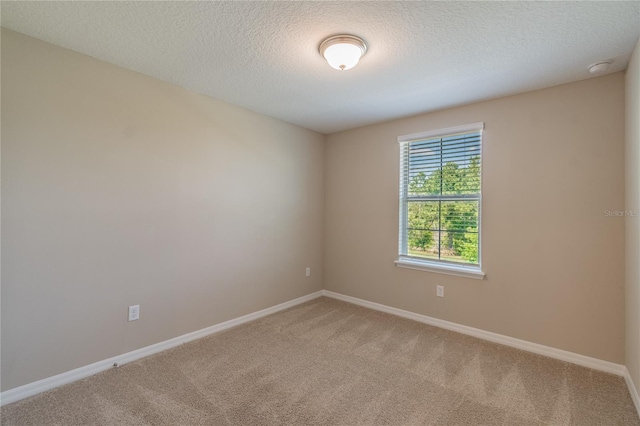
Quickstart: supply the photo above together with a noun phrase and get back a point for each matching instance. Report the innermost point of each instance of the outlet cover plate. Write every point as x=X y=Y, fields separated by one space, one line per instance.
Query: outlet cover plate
x=134 y=312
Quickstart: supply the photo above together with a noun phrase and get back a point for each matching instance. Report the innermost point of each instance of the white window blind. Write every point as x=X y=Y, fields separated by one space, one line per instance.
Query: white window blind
x=440 y=196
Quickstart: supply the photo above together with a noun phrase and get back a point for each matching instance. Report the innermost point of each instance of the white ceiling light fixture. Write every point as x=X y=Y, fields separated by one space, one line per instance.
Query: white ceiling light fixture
x=343 y=51
x=600 y=67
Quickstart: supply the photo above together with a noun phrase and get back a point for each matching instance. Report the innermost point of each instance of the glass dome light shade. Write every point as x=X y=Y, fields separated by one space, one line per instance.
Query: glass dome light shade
x=343 y=52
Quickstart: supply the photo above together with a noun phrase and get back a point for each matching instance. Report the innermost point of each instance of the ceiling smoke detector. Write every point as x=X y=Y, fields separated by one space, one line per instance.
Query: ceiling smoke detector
x=600 y=67
x=343 y=51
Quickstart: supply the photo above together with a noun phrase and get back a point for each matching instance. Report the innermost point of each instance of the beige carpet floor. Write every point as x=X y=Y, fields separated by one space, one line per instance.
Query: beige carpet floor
x=328 y=362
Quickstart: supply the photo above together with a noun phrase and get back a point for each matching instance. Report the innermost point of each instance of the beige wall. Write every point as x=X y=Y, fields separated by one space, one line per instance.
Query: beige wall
x=632 y=224
x=118 y=189
x=553 y=163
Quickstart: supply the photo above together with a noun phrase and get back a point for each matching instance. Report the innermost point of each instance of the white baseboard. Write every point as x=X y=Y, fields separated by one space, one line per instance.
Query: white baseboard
x=585 y=361
x=34 y=388
x=632 y=390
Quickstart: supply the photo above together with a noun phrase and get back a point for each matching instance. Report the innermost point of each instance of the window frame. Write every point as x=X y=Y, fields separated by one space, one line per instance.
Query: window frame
x=436 y=265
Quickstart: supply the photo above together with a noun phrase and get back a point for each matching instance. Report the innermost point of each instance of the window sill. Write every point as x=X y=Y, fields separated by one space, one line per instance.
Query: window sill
x=460 y=271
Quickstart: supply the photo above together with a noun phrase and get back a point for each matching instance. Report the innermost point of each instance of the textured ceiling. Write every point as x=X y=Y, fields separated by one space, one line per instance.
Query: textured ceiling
x=263 y=56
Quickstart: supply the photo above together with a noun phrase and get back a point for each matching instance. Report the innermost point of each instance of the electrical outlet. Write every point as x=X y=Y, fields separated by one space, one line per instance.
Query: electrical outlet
x=308 y=272
x=134 y=312
x=440 y=291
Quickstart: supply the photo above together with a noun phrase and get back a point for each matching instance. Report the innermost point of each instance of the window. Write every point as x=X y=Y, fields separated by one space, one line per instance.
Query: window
x=440 y=200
